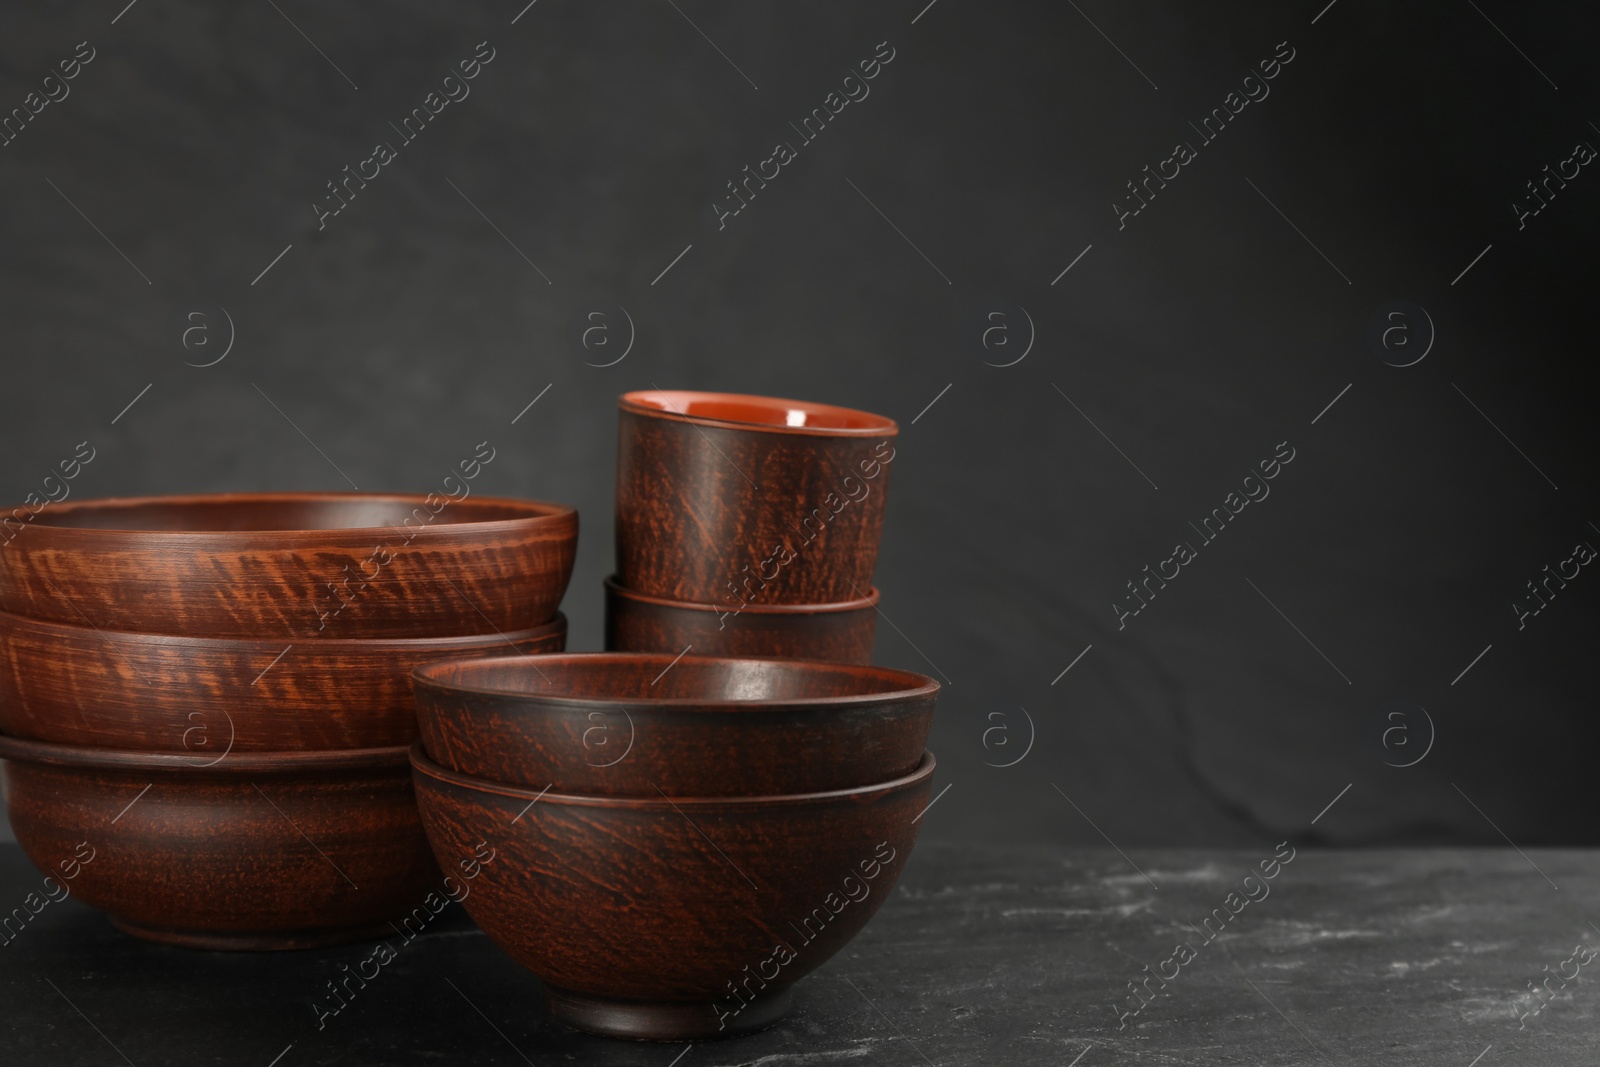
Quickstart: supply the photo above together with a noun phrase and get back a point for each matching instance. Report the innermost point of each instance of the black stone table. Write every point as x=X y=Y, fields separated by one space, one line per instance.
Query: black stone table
x=1008 y=956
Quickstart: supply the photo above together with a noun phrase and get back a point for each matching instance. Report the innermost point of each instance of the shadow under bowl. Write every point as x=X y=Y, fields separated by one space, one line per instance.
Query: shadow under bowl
x=296 y=566
x=715 y=490
x=152 y=692
x=673 y=920
x=634 y=724
x=258 y=851
x=843 y=632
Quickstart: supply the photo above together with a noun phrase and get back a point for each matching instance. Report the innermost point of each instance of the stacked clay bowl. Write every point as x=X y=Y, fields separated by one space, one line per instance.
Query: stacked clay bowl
x=211 y=694
x=747 y=526
x=678 y=839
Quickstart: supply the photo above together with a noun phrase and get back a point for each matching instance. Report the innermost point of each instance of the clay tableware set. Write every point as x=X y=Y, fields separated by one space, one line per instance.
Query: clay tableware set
x=269 y=720
x=747 y=526
x=211 y=695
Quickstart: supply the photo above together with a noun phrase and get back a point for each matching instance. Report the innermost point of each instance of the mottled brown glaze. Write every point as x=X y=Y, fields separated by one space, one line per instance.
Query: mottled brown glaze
x=619 y=724
x=77 y=685
x=673 y=920
x=292 y=565
x=723 y=498
x=257 y=851
x=840 y=632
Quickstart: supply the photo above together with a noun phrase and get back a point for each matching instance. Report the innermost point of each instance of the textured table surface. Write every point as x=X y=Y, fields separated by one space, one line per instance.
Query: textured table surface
x=1004 y=956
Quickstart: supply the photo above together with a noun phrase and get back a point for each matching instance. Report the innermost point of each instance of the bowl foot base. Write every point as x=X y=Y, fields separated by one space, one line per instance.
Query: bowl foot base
x=641 y=1020
x=253 y=941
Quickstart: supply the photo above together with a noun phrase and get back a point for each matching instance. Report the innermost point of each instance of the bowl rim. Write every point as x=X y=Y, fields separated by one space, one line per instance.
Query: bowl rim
x=275 y=764
x=421 y=764
x=919 y=687
x=15 y=622
x=834 y=607
x=539 y=512
x=642 y=402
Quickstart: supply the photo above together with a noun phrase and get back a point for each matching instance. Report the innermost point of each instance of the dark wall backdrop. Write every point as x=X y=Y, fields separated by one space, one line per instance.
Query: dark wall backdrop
x=916 y=243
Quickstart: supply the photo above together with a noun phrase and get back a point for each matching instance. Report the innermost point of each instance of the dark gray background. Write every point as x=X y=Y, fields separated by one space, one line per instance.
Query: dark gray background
x=1197 y=338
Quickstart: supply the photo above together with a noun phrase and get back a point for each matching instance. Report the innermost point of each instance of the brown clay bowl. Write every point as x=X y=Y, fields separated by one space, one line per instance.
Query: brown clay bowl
x=292 y=565
x=152 y=692
x=630 y=724
x=673 y=919
x=257 y=851
x=726 y=496
x=839 y=632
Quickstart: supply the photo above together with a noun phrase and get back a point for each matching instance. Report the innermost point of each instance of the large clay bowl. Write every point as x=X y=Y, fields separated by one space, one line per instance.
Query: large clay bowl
x=292 y=565
x=630 y=724
x=721 y=495
x=257 y=851
x=843 y=632
x=153 y=692
x=673 y=919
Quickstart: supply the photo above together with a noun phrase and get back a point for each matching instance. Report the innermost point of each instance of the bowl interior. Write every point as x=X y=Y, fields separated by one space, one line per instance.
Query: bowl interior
x=759 y=410
x=278 y=512
x=650 y=678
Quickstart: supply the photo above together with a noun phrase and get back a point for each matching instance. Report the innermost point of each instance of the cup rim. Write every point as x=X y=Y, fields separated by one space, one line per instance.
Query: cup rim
x=916 y=686
x=422 y=764
x=276 y=764
x=536 y=511
x=673 y=404
x=860 y=604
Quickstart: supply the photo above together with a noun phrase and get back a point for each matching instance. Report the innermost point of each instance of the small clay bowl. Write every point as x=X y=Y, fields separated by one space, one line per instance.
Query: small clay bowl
x=632 y=724
x=839 y=632
x=723 y=495
x=673 y=919
x=292 y=565
x=256 y=851
x=151 y=692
